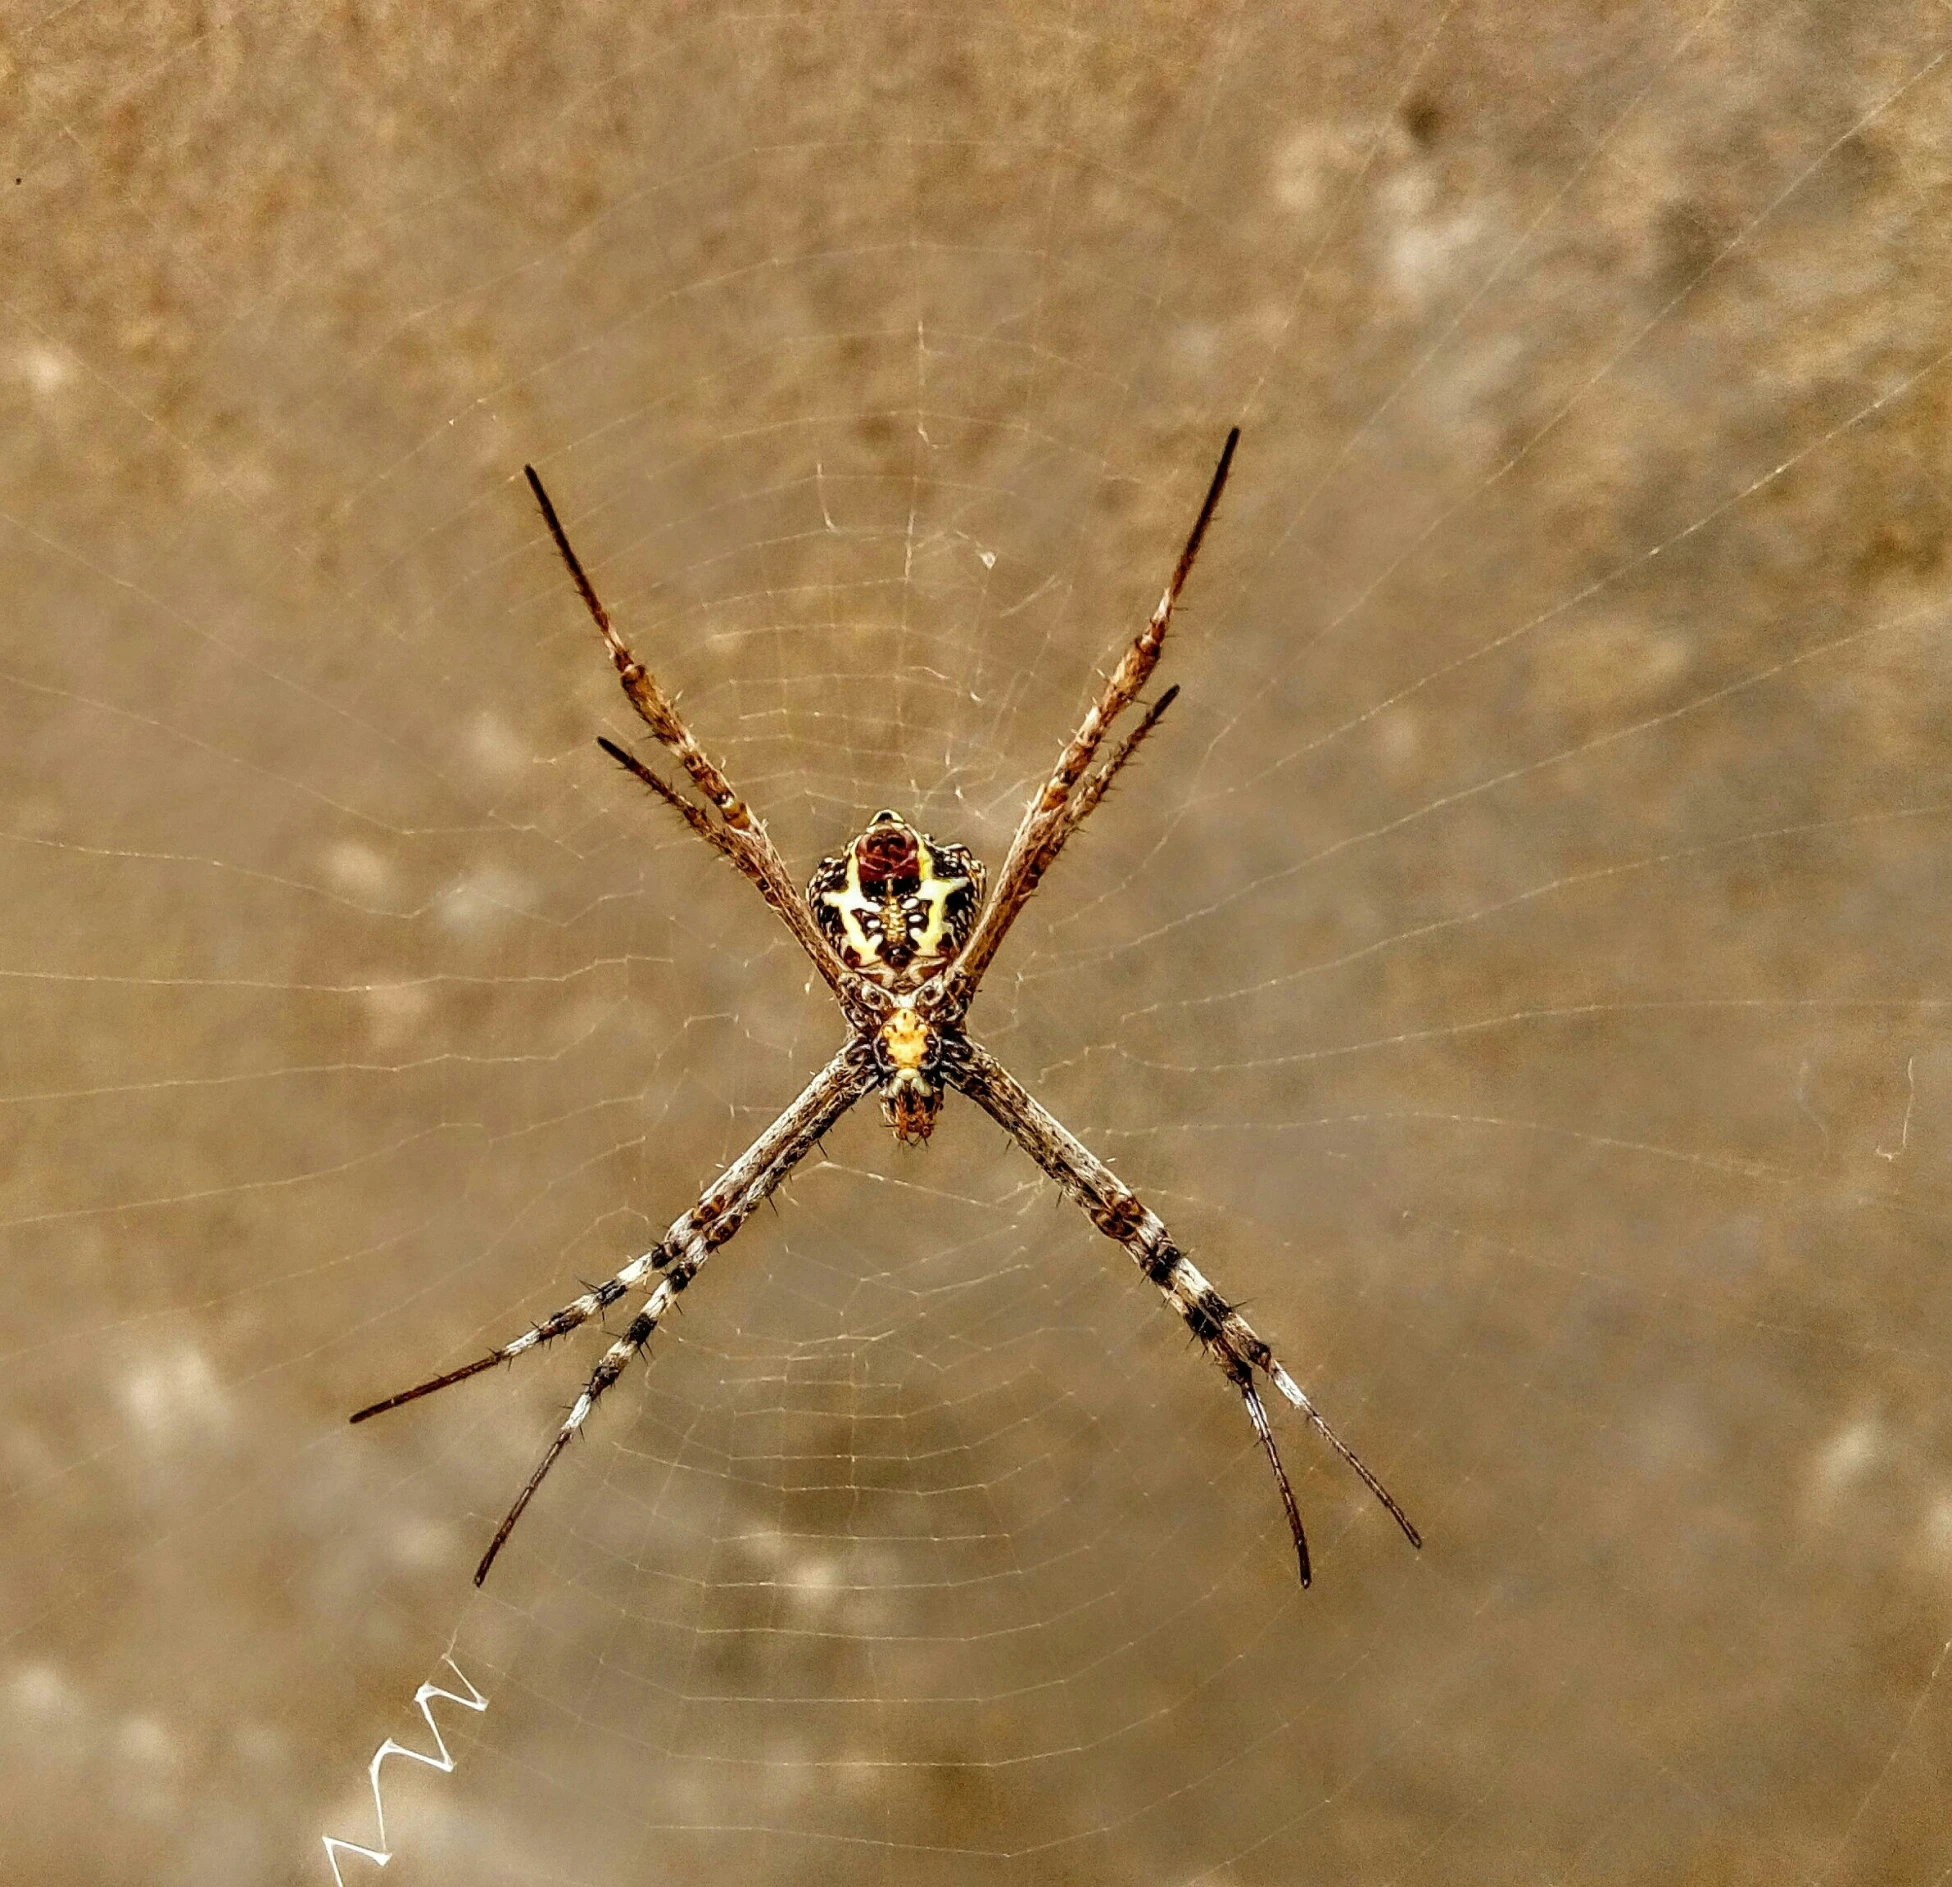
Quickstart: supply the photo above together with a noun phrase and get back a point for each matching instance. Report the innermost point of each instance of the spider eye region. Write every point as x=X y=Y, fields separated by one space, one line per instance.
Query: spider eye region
x=889 y=856
x=896 y=905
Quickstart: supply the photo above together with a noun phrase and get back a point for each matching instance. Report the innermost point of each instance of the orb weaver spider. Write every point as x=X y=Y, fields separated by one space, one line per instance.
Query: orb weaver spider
x=897 y=926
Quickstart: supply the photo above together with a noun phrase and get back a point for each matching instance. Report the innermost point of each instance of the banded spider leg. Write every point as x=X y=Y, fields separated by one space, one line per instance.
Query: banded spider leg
x=1222 y=1331
x=723 y=1207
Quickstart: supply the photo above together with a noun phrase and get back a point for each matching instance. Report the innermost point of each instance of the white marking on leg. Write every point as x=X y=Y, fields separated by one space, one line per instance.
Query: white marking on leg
x=1287 y=1385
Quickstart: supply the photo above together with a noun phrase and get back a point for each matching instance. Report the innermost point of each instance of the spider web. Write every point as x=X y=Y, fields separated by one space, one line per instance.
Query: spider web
x=1517 y=969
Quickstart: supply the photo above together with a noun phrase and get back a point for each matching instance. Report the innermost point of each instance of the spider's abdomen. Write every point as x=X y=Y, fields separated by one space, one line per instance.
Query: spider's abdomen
x=896 y=905
x=908 y=1053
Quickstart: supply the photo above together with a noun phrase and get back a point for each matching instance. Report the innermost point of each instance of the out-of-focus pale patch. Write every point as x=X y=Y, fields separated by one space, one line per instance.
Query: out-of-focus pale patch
x=260 y=1746
x=1937 y=1530
x=1313 y=162
x=174 y=1396
x=395 y=1010
x=837 y=1591
x=1672 y=1435
x=41 y=1690
x=1845 y=1459
x=494 y=747
x=46 y=370
x=1271 y=320
x=420 y=1545
x=145 y=1741
x=479 y=904
x=1424 y=252
x=812 y=1581
x=146 y=1758
x=1196 y=345
x=358 y=869
x=239 y=475
x=1399 y=738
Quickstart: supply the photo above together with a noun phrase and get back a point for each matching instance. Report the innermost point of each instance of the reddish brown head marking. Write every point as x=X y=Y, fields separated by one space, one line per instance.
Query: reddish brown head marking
x=888 y=854
x=897 y=904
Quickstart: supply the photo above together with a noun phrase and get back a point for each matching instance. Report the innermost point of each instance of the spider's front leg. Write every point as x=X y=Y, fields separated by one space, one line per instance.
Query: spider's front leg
x=725 y=822
x=1067 y=798
x=1223 y=1332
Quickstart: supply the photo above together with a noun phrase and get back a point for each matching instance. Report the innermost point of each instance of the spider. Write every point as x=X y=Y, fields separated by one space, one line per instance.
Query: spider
x=897 y=926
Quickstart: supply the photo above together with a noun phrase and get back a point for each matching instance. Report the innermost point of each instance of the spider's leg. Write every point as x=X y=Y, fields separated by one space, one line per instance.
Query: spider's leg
x=789 y=1134
x=1082 y=803
x=725 y=821
x=606 y=1372
x=1222 y=1331
x=559 y=1323
x=1295 y=1394
x=1258 y=1416
x=1059 y=807
x=725 y=1206
x=689 y=811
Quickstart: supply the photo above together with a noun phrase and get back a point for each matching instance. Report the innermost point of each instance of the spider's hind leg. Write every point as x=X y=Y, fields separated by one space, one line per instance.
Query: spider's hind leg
x=725 y=1205
x=559 y=1323
x=1258 y=1416
x=721 y=1209
x=1238 y=1348
x=1222 y=1332
x=612 y=1365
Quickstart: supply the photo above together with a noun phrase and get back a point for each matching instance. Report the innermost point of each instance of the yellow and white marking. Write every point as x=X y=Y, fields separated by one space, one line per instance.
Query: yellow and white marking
x=868 y=950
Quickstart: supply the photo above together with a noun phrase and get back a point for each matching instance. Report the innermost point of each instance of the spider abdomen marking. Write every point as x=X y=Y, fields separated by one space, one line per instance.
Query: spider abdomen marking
x=897 y=906
x=908 y=1055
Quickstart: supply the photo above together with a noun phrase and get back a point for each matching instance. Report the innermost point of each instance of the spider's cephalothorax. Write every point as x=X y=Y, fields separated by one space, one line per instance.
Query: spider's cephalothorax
x=895 y=905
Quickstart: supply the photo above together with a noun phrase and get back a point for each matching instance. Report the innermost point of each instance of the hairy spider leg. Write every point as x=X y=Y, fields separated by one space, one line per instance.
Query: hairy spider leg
x=737 y=835
x=1222 y=1331
x=1052 y=816
x=831 y=1093
x=694 y=1236
x=692 y=814
x=1082 y=803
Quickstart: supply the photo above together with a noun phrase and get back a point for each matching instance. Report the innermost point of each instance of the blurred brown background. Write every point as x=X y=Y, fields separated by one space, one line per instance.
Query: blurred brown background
x=1519 y=969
